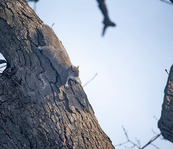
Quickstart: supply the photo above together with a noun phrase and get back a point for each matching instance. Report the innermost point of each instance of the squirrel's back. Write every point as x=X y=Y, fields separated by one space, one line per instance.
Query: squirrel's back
x=50 y=38
x=54 y=46
x=56 y=53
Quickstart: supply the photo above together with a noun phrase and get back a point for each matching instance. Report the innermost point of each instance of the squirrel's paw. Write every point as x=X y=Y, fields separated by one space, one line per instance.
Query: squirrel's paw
x=66 y=86
x=40 y=48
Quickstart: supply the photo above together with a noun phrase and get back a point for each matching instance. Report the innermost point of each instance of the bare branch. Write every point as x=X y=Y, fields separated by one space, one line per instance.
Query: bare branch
x=137 y=145
x=3 y=66
x=155 y=146
x=107 y=22
x=121 y=144
x=125 y=132
x=128 y=140
x=155 y=118
x=52 y=25
x=167 y=71
x=133 y=145
x=90 y=80
x=138 y=141
x=152 y=140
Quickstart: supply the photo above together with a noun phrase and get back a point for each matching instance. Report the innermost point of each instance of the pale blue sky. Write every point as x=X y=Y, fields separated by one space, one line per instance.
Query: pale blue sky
x=130 y=60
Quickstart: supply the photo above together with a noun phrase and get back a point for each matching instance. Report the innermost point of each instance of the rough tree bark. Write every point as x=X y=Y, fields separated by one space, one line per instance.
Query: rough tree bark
x=35 y=110
x=166 y=121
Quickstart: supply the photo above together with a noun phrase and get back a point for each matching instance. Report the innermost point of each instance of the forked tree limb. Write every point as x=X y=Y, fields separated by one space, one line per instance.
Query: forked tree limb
x=138 y=145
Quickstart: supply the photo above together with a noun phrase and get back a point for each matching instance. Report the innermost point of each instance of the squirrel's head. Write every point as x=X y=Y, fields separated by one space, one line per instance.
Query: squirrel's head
x=74 y=71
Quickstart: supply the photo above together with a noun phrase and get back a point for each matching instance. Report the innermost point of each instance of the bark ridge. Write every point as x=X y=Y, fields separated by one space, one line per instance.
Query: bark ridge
x=165 y=123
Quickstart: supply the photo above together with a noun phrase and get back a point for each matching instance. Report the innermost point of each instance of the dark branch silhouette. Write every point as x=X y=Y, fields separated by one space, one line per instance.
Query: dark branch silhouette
x=2 y=61
x=151 y=141
x=107 y=22
x=167 y=2
x=167 y=71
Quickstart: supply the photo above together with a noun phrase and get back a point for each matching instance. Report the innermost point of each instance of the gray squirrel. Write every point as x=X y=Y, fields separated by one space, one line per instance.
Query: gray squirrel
x=56 y=53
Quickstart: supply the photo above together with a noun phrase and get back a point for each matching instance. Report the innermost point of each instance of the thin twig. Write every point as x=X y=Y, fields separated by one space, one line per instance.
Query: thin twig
x=152 y=140
x=128 y=140
x=155 y=146
x=155 y=118
x=3 y=66
x=52 y=25
x=138 y=141
x=167 y=71
x=137 y=145
x=35 y=6
x=90 y=80
x=123 y=143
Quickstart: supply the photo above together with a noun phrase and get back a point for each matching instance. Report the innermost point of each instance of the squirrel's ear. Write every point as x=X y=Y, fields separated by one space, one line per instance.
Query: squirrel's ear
x=77 y=67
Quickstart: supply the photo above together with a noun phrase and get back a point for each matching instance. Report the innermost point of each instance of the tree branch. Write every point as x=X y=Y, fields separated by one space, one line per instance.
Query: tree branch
x=137 y=145
x=151 y=141
x=90 y=80
x=165 y=1
x=107 y=22
x=103 y=8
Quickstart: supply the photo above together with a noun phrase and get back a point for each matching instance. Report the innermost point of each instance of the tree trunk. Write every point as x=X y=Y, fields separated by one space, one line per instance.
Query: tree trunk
x=36 y=111
x=166 y=121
